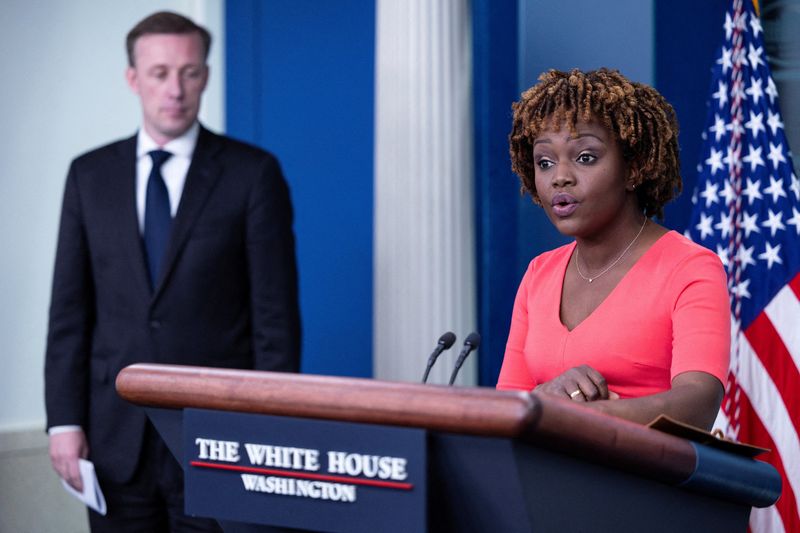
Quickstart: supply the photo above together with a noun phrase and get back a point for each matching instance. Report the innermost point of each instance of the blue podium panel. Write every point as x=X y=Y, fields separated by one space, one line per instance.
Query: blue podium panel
x=485 y=484
x=304 y=473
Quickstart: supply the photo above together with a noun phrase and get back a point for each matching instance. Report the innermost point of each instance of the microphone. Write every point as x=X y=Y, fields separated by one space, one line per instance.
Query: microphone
x=444 y=343
x=472 y=342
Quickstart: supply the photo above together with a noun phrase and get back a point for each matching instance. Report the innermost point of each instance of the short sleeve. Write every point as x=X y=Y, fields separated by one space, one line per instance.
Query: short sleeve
x=700 y=317
x=514 y=373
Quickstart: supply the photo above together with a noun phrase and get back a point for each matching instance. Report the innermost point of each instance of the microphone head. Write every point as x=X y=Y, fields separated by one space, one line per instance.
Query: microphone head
x=447 y=340
x=473 y=339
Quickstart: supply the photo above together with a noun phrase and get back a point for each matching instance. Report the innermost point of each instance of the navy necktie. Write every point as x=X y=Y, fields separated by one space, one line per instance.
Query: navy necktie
x=157 y=216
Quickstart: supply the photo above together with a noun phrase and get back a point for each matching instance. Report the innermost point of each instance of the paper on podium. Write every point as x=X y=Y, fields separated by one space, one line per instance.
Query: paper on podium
x=92 y=496
x=689 y=432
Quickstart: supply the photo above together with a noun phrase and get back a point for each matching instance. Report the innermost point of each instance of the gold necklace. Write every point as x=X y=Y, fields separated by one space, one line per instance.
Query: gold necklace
x=609 y=267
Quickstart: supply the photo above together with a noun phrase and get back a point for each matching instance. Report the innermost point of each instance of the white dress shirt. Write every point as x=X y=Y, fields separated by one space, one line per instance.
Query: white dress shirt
x=173 y=171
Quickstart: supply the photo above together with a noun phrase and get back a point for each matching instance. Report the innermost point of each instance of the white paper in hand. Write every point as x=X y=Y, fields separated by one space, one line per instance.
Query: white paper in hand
x=91 y=495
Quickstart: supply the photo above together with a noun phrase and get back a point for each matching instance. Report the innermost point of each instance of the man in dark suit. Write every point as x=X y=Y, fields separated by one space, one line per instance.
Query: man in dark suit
x=175 y=246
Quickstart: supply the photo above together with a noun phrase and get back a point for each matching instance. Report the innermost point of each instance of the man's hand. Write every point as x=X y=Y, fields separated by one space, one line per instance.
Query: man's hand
x=65 y=450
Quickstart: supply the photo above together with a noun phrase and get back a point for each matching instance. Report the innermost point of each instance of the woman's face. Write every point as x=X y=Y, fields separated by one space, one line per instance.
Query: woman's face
x=581 y=179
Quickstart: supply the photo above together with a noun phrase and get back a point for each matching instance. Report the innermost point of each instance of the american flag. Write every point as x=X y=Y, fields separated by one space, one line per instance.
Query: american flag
x=747 y=209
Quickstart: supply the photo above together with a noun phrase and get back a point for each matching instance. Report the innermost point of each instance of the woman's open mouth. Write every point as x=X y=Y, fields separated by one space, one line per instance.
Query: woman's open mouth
x=564 y=204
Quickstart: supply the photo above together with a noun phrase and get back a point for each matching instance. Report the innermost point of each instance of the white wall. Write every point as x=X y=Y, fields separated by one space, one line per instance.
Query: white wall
x=62 y=93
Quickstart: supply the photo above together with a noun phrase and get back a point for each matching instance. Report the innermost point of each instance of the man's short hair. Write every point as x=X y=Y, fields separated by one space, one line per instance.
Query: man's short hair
x=165 y=22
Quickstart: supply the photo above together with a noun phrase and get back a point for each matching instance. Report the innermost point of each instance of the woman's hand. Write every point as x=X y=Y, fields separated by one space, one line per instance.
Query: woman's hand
x=694 y=397
x=580 y=384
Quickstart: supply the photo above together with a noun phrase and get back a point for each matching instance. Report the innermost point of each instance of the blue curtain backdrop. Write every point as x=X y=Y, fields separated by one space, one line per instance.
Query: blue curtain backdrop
x=687 y=36
x=495 y=73
x=300 y=83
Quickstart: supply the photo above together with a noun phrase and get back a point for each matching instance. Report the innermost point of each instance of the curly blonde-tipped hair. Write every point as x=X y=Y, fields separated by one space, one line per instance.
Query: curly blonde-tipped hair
x=641 y=120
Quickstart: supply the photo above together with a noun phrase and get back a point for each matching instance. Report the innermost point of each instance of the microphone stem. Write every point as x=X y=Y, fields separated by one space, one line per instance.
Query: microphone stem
x=460 y=361
x=432 y=359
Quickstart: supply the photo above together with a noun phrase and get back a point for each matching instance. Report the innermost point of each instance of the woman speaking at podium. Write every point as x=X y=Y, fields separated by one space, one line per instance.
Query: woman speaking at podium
x=631 y=318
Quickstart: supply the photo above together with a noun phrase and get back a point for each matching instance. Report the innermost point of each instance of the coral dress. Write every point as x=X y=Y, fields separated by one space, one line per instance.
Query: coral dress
x=669 y=314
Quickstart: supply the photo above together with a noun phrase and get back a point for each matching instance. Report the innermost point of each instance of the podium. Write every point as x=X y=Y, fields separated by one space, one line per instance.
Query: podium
x=265 y=451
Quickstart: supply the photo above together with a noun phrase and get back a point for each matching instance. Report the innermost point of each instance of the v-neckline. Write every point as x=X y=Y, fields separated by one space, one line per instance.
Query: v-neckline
x=622 y=280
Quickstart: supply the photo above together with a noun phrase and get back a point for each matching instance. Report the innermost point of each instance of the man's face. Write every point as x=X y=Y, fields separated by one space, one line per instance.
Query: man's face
x=169 y=75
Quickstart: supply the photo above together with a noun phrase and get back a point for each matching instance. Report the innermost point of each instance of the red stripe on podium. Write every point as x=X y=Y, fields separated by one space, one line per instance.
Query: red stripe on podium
x=306 y=475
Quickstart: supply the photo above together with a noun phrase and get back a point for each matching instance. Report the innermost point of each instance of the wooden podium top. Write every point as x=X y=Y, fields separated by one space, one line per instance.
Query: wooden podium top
x=549 y=422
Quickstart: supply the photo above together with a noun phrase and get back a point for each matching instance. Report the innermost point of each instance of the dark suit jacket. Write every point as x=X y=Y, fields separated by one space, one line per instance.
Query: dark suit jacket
x=227 y=295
